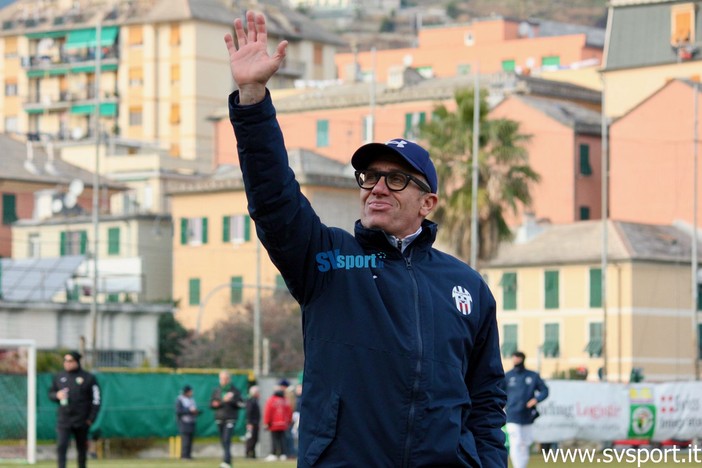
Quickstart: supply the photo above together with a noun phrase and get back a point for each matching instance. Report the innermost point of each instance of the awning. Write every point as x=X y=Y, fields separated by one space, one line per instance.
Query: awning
x=85 y=38
x=594 y=347
x=91 y=68
x=107 y=109
x=45 y=34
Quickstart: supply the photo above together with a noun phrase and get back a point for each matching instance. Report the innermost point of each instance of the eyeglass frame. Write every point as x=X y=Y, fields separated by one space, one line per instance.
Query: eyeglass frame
x=384 y=174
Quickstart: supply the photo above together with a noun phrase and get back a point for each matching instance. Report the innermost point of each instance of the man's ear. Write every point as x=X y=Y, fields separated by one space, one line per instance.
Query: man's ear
x=429 y=202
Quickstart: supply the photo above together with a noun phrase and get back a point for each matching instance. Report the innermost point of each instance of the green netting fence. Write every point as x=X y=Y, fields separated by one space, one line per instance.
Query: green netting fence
x=134 y=405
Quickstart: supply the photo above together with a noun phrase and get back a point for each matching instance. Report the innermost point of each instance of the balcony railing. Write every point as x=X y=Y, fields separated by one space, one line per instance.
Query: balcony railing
x=294 y=68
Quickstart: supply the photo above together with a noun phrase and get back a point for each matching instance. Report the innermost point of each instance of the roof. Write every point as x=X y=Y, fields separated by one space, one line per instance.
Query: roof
x=310 y=169
x=640 y=33
x=281 y=21
x=16 y=165
x=594 y=37
x=579 y=118
x=36 y=279
x=581 y=242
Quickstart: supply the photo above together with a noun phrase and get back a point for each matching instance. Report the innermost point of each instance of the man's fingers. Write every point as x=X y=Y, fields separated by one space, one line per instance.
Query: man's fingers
x=251 y=26
x=239 y=30
x=229 y=41
x=261 y=33
x=280 y=51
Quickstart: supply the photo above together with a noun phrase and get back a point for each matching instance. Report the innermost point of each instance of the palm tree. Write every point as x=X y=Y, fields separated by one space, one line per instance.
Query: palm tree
x=504 y=173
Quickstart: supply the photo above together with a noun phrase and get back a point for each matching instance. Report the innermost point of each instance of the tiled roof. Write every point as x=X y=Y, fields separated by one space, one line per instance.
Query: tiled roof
x=581 y=119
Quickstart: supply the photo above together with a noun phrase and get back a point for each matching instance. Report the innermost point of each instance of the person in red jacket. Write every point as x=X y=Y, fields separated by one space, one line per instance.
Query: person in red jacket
x=277 y=418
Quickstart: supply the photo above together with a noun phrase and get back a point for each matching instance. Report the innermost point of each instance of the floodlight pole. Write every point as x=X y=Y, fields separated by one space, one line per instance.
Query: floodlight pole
x=694 y=262
x=474 y=185
x=96 y=197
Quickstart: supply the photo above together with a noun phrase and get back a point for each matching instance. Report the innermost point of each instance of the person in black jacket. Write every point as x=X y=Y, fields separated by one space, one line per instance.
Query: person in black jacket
x=78 y=394
x=226 y=401
x=186 y=414
x=381 y=307
x=253 y=421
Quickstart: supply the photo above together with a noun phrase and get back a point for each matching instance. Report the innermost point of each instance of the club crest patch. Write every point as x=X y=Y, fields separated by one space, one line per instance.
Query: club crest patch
x=463 y=299
x=79 y=380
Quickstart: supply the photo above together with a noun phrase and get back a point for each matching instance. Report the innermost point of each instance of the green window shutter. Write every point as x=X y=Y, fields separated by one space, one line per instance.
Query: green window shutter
x=422 y=118
x=585 y=168
x=550 y=61
x=63 y=243
x=194 y=291
x=113 y=241
x=594 y=345
x=509 y=340
x=595 y=287
x=584 y=213
x=247 y=228
x=204 y=230
x=551 y=346
x=699 y=340
x=113 y=298
x=237 y=285
x=9 y=208
x=226 y=229
x=322 y=133
x=183 y=231
x=699 y=296
x=408 y=124
x=509 y=66
x=83 y=242
x=509 y=291
x=551 y=289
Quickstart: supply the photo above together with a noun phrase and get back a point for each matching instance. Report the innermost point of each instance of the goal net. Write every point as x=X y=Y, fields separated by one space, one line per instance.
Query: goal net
x=18 y=383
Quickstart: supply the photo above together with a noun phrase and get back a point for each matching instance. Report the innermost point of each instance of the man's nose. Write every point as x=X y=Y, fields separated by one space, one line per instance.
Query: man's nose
x=381 y=186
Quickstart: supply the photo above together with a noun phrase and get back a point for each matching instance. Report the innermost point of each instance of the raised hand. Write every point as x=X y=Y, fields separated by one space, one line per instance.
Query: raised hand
x=251 y=64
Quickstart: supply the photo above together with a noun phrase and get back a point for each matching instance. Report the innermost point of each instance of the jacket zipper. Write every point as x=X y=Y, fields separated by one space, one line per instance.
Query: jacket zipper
x=418 y=368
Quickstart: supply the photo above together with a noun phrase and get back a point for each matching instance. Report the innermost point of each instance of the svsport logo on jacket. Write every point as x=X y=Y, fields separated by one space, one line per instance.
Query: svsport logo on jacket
x=335 y=260
x=463 y=299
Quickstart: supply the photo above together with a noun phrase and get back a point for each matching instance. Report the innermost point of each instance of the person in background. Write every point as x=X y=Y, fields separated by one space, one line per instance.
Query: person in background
x=186 y=413
x=277 y=418
x=78 y=394
x=253 y=421
x=226 y=401
x=524 y=390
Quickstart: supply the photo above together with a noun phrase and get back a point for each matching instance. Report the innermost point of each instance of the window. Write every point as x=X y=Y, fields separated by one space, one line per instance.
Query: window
x=11 y=124
x=682 y=26
x=74 y=243
x=174 y=150
x=135 y=116
x=595 y=287
x=584 y=213
x=10 y=47
x=463 y=69
x=594 y=342
x=322 y=133
x=551 y=289
x=236 y=290
x=193 y=231
x=175 y=114
x=318 y=54
x=550 y=61
x=699 y=340
x=509 y=291
x=135 y=36
x=509 y=66
x=367 y=128
x=9 y=208
x=236 y=228
x=34 y=246
x=136 y=77
x=468 y=38
x=113 y=241
x=11 y=87
x=413 y=120
x=509 y=340
x=551 y=347
x=194 y=291
x=585 y=168
x=175 y=34
x=175 y=74
x=112 y=298
x=426 y=71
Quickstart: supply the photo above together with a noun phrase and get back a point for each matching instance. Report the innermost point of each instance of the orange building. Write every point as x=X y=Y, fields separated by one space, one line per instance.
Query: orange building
x=652 y=157
x=496 y=44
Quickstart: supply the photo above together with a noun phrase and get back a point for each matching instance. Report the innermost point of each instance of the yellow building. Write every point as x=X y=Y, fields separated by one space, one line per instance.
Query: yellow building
x=550 y=302
x=163 y=68
x=216 y=255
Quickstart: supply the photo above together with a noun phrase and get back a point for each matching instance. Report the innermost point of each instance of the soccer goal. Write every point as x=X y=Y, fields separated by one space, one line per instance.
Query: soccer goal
x=18 y=387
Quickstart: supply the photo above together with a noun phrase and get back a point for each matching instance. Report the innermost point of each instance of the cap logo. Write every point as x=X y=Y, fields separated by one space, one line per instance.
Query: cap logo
x=398 y=143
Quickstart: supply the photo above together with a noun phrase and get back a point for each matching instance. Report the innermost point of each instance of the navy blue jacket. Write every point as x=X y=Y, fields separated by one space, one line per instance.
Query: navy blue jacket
x=402 y=365
x=523 y=385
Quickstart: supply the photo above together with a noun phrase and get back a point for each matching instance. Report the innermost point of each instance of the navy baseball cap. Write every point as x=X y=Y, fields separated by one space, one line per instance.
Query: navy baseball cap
x=415 y=155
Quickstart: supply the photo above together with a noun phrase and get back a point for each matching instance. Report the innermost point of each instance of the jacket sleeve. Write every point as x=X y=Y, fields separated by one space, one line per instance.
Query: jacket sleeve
x=53 y=389
x=288 y=227
x=180 y=409
x=541 y=389
x=215 y=397
x=95 y=400
x=267 y=413
x=485 y=381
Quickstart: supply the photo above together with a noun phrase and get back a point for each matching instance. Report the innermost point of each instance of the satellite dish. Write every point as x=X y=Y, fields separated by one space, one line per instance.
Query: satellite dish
x=530 y=62
x=407 y=60
x=70 y=200
x=77 y=133
x=56 y=206
x=524 y=29
x=76 y=187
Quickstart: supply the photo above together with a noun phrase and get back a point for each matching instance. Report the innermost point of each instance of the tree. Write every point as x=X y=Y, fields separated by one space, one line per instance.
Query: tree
x=503 y=180
x=171 y=335
x=452 y=10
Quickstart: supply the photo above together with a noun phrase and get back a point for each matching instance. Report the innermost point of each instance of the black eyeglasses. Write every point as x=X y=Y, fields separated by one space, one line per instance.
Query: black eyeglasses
x=394 y=180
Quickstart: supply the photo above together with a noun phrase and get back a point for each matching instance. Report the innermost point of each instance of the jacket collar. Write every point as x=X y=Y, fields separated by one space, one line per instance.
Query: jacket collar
x=375 y=239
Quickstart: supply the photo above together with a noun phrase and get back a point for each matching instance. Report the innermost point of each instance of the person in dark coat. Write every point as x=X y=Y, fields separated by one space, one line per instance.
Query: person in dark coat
x=253 y=421
x=78 y=394
x=186 y=413
x=381 y=307
x=226 y=401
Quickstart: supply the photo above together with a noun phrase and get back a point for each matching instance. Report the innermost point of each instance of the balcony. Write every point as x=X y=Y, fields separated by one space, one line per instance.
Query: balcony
x=77 y=102
x=53 y=63
x=292 y=68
